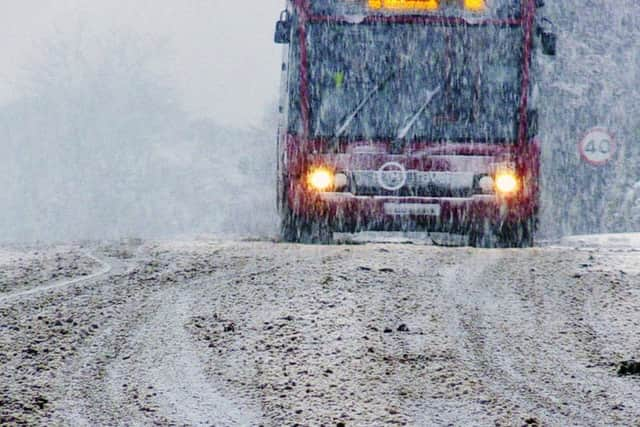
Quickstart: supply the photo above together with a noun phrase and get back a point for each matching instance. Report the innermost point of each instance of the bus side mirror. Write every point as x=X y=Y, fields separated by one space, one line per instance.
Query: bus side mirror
x=549 y=43
x=533 y=120
x=283 y=29
x=548 y=38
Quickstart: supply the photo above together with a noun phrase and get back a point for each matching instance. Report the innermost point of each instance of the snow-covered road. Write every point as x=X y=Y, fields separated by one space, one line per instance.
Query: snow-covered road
x=232 y=333
x=55 y=285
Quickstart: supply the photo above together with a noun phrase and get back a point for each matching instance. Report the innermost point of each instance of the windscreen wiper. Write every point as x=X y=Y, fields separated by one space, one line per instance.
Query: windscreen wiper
x=340 y=130
x=402 y=132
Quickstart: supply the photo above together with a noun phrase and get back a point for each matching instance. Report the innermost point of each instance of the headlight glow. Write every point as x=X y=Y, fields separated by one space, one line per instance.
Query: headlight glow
x=475 y=5
x=507 y=182
x=320 y=179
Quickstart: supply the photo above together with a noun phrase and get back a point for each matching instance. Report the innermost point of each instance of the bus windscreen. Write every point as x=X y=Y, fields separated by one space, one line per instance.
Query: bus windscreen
x=419 y=81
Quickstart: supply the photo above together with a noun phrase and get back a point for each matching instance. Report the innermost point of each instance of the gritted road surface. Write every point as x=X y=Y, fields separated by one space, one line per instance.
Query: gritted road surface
x=227 y=333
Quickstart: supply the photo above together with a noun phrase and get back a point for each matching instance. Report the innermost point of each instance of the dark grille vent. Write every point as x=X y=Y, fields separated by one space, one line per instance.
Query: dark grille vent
x=417 y=184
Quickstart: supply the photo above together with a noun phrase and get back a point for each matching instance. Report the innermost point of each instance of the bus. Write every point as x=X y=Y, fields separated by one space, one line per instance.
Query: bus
x=410 y=115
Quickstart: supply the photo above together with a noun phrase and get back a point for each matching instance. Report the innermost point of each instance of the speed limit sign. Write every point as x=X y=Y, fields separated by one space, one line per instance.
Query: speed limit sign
x=598 y=147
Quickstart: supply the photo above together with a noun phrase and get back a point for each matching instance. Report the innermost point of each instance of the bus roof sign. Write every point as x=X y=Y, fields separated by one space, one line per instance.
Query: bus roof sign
x=404 y=4
x=417 y=5
x=491 y=9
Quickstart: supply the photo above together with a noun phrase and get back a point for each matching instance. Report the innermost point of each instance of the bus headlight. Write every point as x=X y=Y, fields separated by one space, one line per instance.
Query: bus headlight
x=507 y=182
x=321 y=179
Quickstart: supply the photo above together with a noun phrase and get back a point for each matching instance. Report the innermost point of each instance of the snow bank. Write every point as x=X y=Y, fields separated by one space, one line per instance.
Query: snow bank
x=604 y=241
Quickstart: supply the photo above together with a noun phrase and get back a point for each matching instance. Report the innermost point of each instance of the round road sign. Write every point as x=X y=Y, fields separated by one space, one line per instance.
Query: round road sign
x=598 y=147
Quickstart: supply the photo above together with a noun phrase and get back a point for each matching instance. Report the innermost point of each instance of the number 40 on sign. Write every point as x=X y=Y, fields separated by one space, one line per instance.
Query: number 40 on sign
x=598 y=147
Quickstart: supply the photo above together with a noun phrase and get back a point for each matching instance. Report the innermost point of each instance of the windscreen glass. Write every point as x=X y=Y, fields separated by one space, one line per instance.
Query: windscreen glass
x=414 y=81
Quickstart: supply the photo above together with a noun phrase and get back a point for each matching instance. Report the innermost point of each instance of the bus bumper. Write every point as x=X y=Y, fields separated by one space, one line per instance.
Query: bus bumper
x=346 y=212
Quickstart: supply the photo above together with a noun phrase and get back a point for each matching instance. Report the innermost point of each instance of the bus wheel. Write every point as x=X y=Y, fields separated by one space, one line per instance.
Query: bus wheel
x=485 y=234
x=519 y=234
x=297 y=229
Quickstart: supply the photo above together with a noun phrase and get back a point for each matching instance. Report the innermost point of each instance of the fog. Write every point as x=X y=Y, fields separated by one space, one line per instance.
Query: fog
x=220 y=54
x=140 y=118
x=156 y=118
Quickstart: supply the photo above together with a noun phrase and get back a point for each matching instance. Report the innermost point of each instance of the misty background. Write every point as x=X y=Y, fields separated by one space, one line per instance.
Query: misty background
x=158 y=118
x=149 y=118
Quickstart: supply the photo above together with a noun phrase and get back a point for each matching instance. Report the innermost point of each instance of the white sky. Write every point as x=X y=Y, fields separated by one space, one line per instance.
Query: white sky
x=225 y=62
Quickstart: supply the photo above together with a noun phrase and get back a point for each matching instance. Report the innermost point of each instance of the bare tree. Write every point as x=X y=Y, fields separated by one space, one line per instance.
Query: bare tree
x=83 y=135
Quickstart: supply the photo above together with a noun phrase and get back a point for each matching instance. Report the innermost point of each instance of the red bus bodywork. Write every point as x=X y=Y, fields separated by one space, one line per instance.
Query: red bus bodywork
x=348 y=212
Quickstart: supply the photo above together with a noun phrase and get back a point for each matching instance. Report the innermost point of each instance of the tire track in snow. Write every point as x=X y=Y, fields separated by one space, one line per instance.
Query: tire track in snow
x=515 y=333
x=169 y=358
x=166 y=357
x=105 y=269
x=478 y=307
